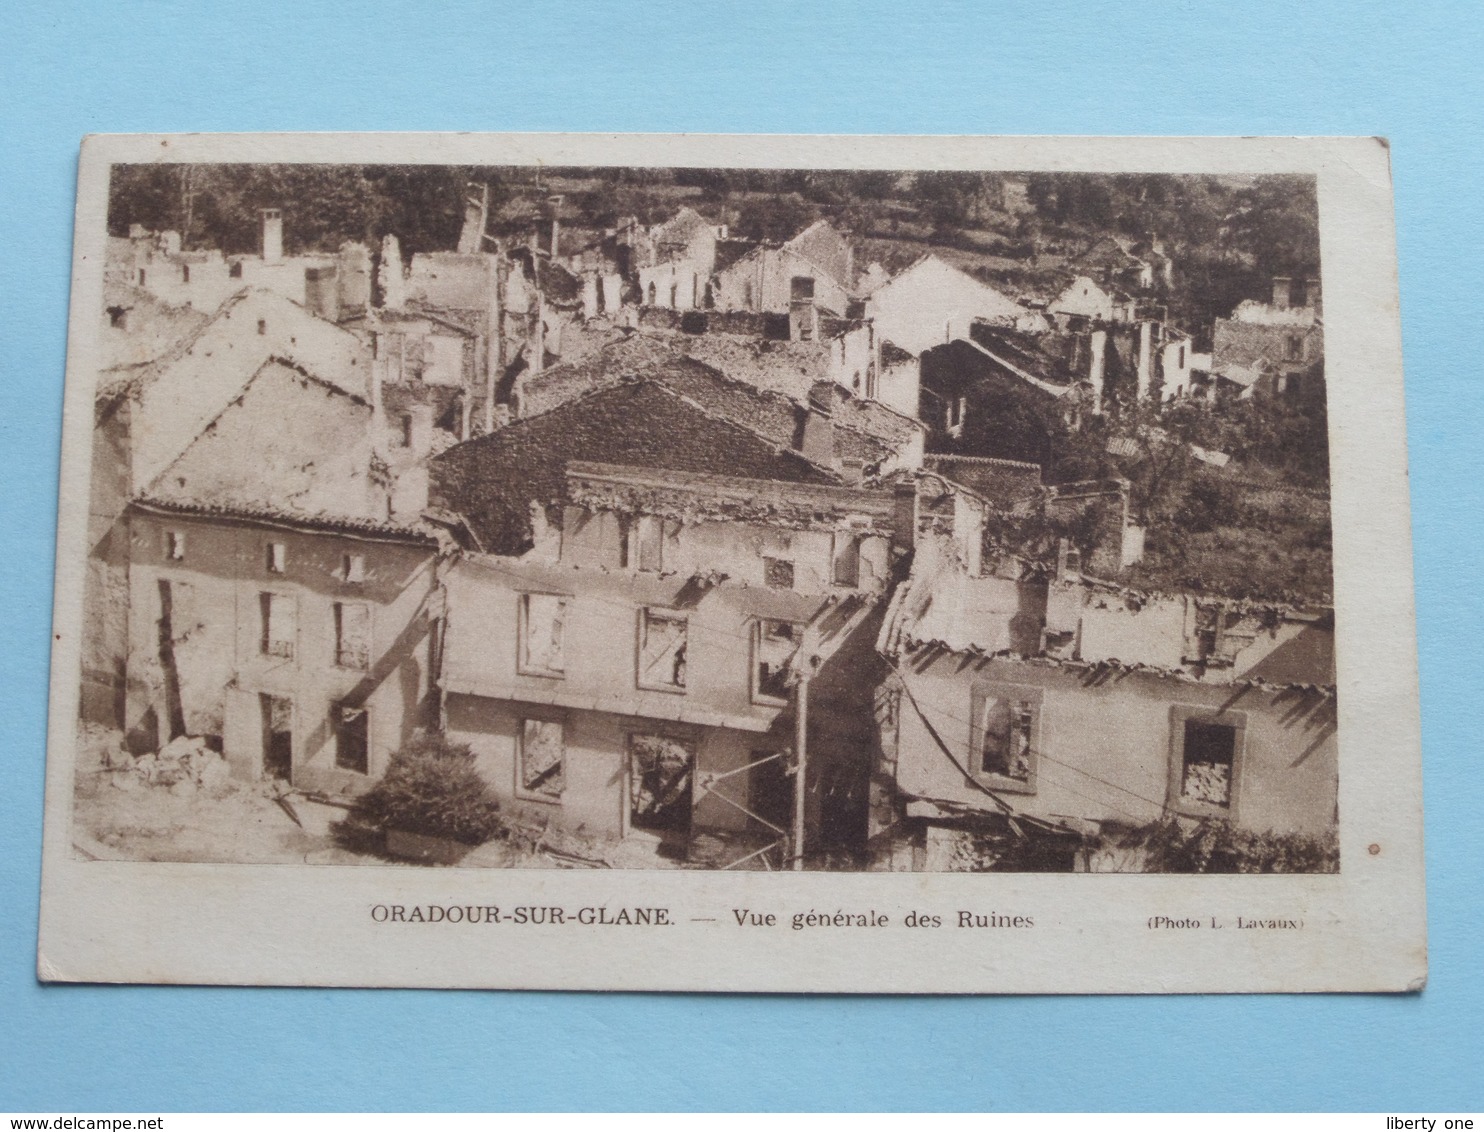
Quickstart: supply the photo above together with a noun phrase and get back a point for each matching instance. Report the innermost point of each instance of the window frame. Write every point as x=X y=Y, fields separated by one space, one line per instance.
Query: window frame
x=174 y=545
x=845 y=547
x=265 y=615
x=667 y=614
x=770 y=561
x=1175 y=801
x=339 y=618
x=686 y=735
x=276 y=557
x=981 y=693
x=754 y=677
x=523 y=630
x=523 y=792
x=341 y=709
x=646 y=531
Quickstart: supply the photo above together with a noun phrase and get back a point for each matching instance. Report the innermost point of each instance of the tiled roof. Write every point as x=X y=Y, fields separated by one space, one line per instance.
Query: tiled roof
x=643 y=422
x=999 y=481
x=412 y=532
x=867 y=431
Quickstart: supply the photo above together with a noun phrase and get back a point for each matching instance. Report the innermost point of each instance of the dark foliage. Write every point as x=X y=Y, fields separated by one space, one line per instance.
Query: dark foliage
x=432 y=788
x=1220 y=847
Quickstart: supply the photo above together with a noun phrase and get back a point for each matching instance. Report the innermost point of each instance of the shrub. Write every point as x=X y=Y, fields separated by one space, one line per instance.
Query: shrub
x=1220 y=847
x=432 y=788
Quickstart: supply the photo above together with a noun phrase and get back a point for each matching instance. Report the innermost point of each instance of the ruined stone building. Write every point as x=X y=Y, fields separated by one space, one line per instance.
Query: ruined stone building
x=333 y=285
x=812 y=273
x=797 y=411
x=1274 y=348
x=621 y=635
x=281 y=589
x=1062 y=707
x=931 y=302
x=147 y=412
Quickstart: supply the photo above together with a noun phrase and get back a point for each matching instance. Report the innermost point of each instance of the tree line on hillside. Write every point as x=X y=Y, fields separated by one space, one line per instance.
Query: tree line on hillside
x=1261 y=225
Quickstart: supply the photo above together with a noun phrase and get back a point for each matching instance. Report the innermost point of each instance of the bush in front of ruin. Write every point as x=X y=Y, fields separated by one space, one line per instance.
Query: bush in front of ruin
x=1218 y=846
x=432 y=787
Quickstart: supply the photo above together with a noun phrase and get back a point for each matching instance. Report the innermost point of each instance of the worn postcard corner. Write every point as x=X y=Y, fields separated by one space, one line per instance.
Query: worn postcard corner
x=699 y=563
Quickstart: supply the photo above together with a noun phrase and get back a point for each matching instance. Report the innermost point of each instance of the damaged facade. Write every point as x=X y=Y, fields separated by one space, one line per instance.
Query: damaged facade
x=1059 y=707
x=702 y=544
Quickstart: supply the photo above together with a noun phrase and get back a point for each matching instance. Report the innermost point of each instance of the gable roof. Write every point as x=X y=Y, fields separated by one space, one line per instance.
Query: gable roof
x=289 y=443
x=642 y=422
x=866 y=430
x=682 y=226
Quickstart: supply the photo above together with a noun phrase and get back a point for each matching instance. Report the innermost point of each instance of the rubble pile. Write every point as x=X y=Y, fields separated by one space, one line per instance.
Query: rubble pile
x=183 y=766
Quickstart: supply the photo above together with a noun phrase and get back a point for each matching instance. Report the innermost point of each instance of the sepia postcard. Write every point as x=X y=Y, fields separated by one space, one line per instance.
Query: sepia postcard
x=834 y=564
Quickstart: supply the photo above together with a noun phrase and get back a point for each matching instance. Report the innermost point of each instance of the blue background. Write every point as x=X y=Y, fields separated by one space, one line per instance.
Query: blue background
x=1410 y=71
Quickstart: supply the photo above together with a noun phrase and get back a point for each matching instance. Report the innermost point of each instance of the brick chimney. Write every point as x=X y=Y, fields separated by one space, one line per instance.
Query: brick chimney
x=270 y=236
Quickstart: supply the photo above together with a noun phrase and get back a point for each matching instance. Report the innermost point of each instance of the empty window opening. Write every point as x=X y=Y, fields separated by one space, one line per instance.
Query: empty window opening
x=279 y=624
x=404 y=431
x=801 y=287
x=770 y=792
x=542 y=760
x=662 y=642
x=774 y=646
x=277 y=557
x=648 y=532
x=543 y=625
x=262 y=326
x=1295 y=348
x=778 y=573
x=846 y=568
x=1005 y=747
x=118 y=318
x=660 y=773
x=353 y=634
x=278 y=736
x=141 y=277
x=185 y=273
x=352 y=738
x=235 y=271
x=1207 y=762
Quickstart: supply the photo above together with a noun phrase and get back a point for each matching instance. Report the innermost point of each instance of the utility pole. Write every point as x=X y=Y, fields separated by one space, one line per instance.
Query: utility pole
x=801 y=750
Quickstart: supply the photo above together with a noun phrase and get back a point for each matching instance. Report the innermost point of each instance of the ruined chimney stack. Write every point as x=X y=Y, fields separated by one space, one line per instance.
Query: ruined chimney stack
x=554 y=203
x=818 y=444
x=904 y=516
x=476 y=218
x=389 y=277
x=270 y=237
x=1282 y=291
x=1097 y=367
